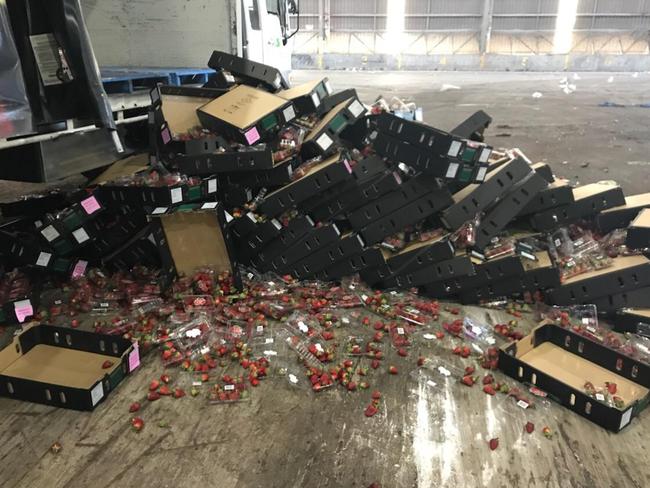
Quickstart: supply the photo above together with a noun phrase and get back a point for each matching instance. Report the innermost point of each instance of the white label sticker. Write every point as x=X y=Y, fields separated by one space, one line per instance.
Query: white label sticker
x=229 y=387
x=324 y=141
x=176 y=195
x=229 y=217
x=209 y=205
x=276 y=224
x=585 y=321
x=193 y=333
x=315 y=99
x=523 y=404
x=293 y=378
x=269 y=340
x=277 y=80
x=43 y=259
x=97 y=393
x=212 y=186
x=260 y=328
x=229 y=78
x=600 y=397
x=444 y=371
x=431 y=383
x=345 y=320
x=50 y=233
x=625 y=419
x=303 y=327
x=452 y=169
x=159 y=210
x=428 y=337
x=205 y=350
x=454 y=148
x=558 y=242
x=270 y=353
x=480 y=176
x=356 y=108
x=485 y=155
x=328 y=87
x=197 y=383
x=400 y=331
x=81 y=235
x=319 y=348
x=289 y=113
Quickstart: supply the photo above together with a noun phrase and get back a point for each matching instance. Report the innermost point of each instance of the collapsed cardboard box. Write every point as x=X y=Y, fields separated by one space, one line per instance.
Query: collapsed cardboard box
x=638 y=233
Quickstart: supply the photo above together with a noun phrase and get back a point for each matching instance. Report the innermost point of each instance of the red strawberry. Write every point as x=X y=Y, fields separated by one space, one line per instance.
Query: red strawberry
x=364 y=385
x=488 y=379
x=489 y=390
x=255 y=382
x=135 y=406
x=167 y=354
x=74 y=323
x=137 y=423
x=205 y=377
x=465 y=352
x=179 y=393
x=457 y=350
x=378 y=326
x=107 y=364
x=469 y=370
x=440 y=335
x=530 y=427
x=494 y=443
x=402 y=352
x=421 y=361
x=327 y=335
x=467 y=380
x=376 y=395
x=611 y=388
x=165 y=378
x=370 y=410
x=392 y=370
x=374 y=363
x=153 y=396
x=164 y=390
x=154 y=385
x=348 y=363
x=352 y=386
x=379 y=355
x=378 y=336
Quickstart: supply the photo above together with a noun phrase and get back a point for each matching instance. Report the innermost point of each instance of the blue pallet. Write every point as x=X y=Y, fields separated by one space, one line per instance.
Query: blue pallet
x=127 y=80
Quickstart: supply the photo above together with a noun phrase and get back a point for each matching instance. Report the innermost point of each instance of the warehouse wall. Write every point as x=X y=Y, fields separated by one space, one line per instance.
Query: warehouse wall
x=446 y=34
x=157 y=33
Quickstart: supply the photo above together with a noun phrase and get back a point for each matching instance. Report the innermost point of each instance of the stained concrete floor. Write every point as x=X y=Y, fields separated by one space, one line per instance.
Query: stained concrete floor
x=424 y=436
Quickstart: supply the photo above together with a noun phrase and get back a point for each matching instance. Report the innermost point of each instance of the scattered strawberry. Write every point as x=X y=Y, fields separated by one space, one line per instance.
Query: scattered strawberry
x=179 y=393
x=494 y=443
x=74 y=323
x=153 y=396
x=378 y=336
x=134 y=407
x=205 y=377
x=370 y=410
x=530 y=427
x=488 y=379
x=547 y=432
x=137 y=424
x=352 y=386
x=107 y=364
x=611 y=387
x=328 y=335
x=376 y=395
x=154 y=385
x=255 y=382
x=165 y=379
x=364 y=385
x=392 y=370
x=488 y=389
x=374 y=364
x=467 y=380
x=164 y=390
x=421 y=361
x=440 y=335
x=465 y=352
x=469 y=370
x=402 y=352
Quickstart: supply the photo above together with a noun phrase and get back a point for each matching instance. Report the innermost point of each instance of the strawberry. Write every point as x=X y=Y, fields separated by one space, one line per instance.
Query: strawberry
x=457 y=350
x=167 y=354
x=154 y=385
x=370 y=410
x=494 y=443
x=378 y=326
x=488 y=389
x=164 y=390
x=378 y=336
x=134 y=407
x=421 y=361
x=327 y=335
x=348 y=363
x=379 y=355
x=467 y=380
x=440 y=335
x=530 y=427
x=611 y=387
x=165 y=379
x=547 y=432
x=374 y=364
x=205 y=377
x=352 y=386
x=137 y=424
x=402 y=352
x=74 y=323
x=392 y=370
x=179 y=393
x=107 y=364
x=376 y=395
x=153 y=396
x=488 y=379
x=465 y=352
x=364 y=385
x=469 y=370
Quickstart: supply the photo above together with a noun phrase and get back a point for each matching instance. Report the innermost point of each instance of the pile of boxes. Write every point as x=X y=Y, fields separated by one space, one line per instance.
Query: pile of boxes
x=308 y=182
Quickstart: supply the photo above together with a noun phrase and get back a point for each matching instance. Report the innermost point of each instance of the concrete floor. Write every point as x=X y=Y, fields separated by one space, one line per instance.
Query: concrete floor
x=424 y=437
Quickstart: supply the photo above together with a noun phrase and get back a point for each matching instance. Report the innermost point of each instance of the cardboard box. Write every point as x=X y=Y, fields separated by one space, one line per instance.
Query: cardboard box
x=280 y=174
x=321 y=139
x=248 y=71
x=61 y=240
x=620 y=217
x=243 y=226
x=252 y=243
x=638 y=298
x=443 y=270
x=626 y=273
x=307 y=98
x=408 y=192
x=295 y=230
x=473 y=199
x=634 y=320
x=221 y=78
x=359 y=134
x=589 y=200
x=638 y=233
x=503 y=212
x=312 y=242
x=63 y=367
x=369 y=258
x=411 y=258
x=249 y=159
x=348 y=245
x=410 y=214
x=333 y=99
x=123 y=167
x=322 y=176
x=559 y=361
x=34 y=205
x=557 y=194
x=236 y=195
x=188 y=241
x=544 y=170
x=473 y=127
x=139 y=250
x=247 y=114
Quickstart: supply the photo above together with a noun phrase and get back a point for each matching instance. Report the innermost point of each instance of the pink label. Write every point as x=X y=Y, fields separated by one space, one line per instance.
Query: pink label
x=134 y=357
x=90 y=205
x=252 y=136
x=166 y=135
x=347 y=165
x=23 y=309
x=79 y=269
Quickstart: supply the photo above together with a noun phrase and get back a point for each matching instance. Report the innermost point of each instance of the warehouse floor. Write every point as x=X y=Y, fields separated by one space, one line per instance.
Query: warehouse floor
x=424 y=436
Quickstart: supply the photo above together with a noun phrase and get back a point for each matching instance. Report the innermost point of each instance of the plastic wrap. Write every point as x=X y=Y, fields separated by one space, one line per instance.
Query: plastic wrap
x=15 y=111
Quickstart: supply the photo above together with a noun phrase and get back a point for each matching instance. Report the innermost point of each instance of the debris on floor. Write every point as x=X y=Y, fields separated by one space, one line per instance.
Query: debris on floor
x=294 y=236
